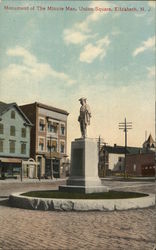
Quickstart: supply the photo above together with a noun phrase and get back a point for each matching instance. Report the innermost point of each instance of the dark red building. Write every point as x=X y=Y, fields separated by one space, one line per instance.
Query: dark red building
x=142 y=164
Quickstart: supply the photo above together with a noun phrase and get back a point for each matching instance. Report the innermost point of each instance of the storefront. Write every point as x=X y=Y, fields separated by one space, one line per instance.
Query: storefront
x=10 y=167
x=52 y=167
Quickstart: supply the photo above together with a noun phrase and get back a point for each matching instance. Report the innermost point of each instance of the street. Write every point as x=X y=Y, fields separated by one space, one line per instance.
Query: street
x=27 y=229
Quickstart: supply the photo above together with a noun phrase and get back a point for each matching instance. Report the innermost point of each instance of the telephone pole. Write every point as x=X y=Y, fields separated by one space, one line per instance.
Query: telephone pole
x=125 y=126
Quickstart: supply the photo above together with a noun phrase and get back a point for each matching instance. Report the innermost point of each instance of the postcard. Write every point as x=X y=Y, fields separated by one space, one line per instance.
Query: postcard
x=76 y=76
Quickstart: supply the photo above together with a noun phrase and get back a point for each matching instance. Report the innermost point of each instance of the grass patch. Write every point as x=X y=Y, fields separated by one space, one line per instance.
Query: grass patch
x=66 y=195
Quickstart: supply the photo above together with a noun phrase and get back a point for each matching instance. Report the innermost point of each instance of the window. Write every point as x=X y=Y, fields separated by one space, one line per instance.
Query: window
x=52 y=127
x=12 y=147
x=41 y=124
x=52 y=146
x=62 y=147
x=23 y=148
x=1 y=128
x=12 y=130
x=12 y=114
x=23 y=132
x=120 y=159
x=62 y=129
x=41 y=144
x=134 y=167
x=1 y=146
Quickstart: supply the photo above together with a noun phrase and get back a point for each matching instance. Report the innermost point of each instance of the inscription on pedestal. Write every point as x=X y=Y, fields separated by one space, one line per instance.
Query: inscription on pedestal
x=77 y=162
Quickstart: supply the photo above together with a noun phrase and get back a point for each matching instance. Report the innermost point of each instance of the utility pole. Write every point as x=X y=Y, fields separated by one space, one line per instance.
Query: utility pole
x=155 y=137
x=99 y=143
x=125 y=126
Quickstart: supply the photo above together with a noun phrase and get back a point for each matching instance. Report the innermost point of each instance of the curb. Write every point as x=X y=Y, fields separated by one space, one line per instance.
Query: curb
x=46 y=204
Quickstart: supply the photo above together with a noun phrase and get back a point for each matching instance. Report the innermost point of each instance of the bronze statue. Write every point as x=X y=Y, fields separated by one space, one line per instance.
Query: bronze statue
x=84 y=117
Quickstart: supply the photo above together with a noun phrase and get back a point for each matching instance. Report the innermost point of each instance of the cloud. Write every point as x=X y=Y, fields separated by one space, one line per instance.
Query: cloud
x=91 y=52
x=31 y=69
x=79 y=32
x=148 y=44
x=151 y=71
x=75 y=37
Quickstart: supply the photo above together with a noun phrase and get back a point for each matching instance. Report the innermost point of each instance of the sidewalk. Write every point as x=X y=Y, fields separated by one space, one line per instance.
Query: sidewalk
x=31 y=180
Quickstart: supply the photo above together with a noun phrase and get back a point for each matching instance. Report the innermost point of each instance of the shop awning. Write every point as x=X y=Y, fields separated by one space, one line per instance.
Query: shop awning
x=42 y=122
x=41 y=141
x=11 y=160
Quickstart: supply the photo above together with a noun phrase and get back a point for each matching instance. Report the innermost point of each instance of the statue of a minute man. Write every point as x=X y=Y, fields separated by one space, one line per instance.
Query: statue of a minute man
x=84 y=117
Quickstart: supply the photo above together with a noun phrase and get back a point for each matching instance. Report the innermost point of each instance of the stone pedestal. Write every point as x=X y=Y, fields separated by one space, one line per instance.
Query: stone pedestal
x=84 y=168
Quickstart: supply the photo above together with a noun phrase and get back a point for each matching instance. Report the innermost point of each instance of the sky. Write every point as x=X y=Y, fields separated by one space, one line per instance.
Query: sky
x=55 y=57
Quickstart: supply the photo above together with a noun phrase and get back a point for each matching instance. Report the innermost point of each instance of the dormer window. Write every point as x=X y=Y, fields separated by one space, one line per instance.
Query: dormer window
x=12 y=114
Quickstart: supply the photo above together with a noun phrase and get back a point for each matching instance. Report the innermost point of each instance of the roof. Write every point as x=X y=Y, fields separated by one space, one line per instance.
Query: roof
x=45 y=106
x=150 y=139
x=41 y=105
x=149 y=143
x=121 y=150
x=4 y=107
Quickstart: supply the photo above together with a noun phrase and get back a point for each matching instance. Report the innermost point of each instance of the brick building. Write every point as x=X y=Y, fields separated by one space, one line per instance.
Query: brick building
x=139 y=161
x=48 y=138
x=142 y=164
x=112 y=158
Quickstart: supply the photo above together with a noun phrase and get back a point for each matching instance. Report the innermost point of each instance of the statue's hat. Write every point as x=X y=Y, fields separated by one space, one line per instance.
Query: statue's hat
x=82 y=98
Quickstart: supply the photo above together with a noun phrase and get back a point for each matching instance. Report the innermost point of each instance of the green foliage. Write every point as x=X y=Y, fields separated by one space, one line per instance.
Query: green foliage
x=65 y=195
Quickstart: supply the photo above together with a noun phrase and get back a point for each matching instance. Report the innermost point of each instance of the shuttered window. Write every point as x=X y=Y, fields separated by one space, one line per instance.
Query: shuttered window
x=1 y=128
x=23 y=132
x=23 y=148
x=12 y=147
x=12 y=130
x=1 y=145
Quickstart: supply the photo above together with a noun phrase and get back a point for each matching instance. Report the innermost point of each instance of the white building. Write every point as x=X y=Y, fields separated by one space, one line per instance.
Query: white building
x=14 y=138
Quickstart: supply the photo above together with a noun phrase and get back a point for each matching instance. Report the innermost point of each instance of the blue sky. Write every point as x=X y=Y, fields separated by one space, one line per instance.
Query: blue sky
x=55 y=57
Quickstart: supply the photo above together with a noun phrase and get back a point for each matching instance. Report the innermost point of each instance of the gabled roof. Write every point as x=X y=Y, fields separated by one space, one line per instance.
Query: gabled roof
x=149 y=142
x=4 y=107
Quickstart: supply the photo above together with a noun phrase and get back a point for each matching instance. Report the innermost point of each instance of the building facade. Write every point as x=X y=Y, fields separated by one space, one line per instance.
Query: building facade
x=139 y=161
x=15 y=130
x=48 y=138
x=142 y=164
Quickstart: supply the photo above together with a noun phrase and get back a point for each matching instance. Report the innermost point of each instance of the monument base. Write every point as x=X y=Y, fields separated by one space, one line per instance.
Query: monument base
x=84 y=168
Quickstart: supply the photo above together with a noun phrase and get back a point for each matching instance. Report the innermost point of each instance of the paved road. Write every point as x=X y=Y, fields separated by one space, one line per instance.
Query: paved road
x=25 y=229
